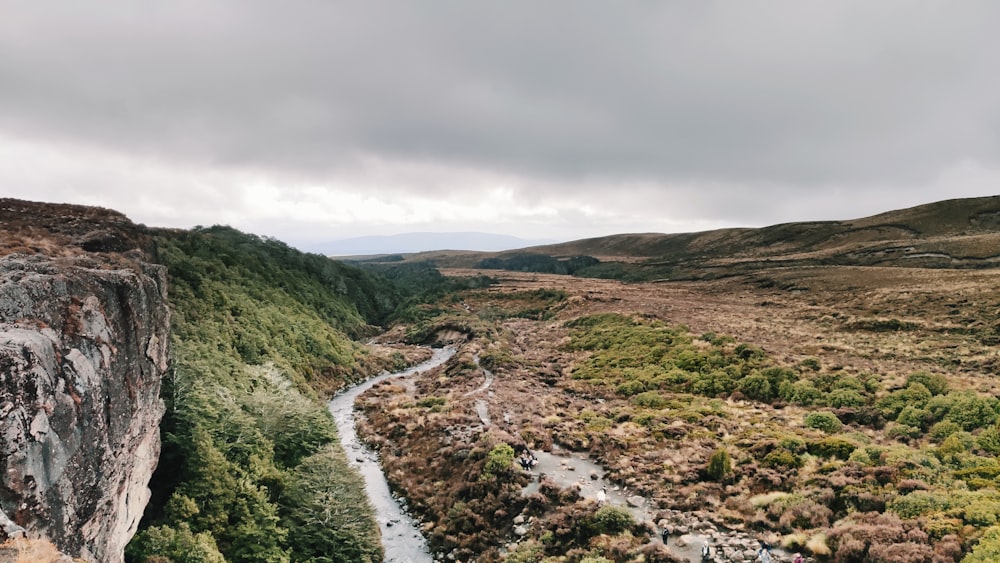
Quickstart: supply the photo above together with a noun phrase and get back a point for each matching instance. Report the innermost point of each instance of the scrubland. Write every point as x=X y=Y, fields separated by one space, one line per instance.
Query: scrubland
x=848 y=412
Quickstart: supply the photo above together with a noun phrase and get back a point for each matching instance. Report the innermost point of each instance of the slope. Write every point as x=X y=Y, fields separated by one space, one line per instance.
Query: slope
x=958 y=233
x=250 y=469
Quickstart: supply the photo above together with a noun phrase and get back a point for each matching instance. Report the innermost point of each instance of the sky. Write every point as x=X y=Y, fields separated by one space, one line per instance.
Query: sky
x=321 y=120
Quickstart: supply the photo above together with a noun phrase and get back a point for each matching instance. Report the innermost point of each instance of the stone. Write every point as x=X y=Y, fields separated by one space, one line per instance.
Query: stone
x=519 y=519
x=521 y=530
x=83 y=348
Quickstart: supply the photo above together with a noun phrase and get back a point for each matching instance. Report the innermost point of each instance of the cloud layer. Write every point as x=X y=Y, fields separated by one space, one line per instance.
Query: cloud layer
x=326 y=119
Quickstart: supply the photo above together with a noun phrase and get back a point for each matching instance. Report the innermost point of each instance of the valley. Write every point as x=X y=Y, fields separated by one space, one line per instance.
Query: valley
x=827 y=388
x=839 y=340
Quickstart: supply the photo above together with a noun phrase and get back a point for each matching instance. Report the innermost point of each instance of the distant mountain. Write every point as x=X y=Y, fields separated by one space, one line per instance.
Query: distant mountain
x=957 y=233
x=407 y=243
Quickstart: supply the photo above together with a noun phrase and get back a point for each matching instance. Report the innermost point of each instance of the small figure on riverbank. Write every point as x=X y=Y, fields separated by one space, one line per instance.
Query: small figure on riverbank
x=527 y=460
x=602 y=496
x=665 y=534
x=798 y=558
x=706 y=552
x=765 y=554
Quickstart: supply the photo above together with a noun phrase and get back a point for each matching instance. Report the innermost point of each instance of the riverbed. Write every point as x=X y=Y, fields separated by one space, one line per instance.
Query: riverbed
x=401 y=537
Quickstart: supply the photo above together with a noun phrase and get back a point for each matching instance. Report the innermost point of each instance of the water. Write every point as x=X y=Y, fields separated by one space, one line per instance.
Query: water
x=578 y=470
x=401 y=537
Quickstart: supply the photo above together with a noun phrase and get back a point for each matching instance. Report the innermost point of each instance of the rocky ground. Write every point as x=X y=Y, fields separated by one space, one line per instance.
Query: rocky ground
x=511 y=384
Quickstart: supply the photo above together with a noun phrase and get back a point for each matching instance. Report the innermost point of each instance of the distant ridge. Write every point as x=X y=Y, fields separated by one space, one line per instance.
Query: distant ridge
x=956 y=233
x=407 y=243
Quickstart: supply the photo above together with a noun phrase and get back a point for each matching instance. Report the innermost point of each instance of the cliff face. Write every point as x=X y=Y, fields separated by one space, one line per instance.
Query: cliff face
x=83 y=347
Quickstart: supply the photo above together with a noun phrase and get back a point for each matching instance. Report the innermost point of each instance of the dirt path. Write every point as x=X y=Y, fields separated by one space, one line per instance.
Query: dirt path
x=481 y=406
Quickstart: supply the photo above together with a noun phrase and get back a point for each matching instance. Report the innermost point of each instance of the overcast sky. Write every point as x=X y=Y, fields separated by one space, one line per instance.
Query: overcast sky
x=320 y=120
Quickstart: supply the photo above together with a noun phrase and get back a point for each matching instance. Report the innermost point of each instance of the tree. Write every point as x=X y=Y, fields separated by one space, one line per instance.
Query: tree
x=719 y=465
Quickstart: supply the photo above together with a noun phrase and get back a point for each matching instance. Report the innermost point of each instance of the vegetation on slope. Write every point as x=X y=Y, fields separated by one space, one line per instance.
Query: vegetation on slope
x=843 y=459
x=859 y=425
x=250 y=468
x=961 y=233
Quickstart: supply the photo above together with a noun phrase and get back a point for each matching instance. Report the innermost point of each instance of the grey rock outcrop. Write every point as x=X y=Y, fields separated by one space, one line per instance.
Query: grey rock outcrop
x=83 y=348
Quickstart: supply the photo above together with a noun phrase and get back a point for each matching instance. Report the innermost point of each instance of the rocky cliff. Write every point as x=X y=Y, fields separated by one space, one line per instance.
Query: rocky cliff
x=84 y=331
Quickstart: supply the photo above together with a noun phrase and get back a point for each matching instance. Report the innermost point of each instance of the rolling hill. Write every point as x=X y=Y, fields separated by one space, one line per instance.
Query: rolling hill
x=958 y=233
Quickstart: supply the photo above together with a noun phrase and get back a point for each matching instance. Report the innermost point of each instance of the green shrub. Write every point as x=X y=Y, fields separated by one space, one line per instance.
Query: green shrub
x=629 y=388
x=530 y=551
x=915 y=395
x=936 y=383
x=757 y=388
x=649 y=400
x=498 y=461
x=904 y=432
x=811 y=364
x=981 y=513
x=988 y=548
x=719 y=465
x=832 y=446
x=845 y=398
x=988 y=439
x=943 y=429
x=794 y=444
x=611 y=520
x=802 y=392
x=915 y=417
x=431 y=402
x=320 y=504
x=972 y=411
x=782 y=458
x=178 y=544
x=919 y=503
x=955 y=445
x=823 y=420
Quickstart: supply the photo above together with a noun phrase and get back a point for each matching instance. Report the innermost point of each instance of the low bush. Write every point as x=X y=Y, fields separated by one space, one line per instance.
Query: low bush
x=499 y=462
x=649 y=400
x=782 y=458
x=988 y=440
x=936 y=383
x=719 y=465
x=832 y=446
x=611 y=520
x=915 y=395
x=823 y=420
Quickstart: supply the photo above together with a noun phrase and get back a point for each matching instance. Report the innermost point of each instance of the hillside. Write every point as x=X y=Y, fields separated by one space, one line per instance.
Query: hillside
x=801 y=387
x=250 y=468
x=258 y=334
x=960 y=233
x=851 y=412
x=792 y=383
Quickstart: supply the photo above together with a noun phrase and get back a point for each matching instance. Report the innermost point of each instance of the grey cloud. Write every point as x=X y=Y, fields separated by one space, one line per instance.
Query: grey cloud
x=753 y=94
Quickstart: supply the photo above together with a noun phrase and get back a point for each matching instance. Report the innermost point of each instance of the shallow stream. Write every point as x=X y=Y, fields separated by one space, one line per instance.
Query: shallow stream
x=401 y=537
x=578 y=470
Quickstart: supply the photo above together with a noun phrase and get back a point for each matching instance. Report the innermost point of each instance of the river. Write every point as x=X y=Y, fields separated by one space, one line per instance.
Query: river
x=401 y=537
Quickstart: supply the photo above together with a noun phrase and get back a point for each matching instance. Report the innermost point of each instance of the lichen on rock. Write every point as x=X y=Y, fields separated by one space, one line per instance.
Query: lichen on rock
x=83 y=348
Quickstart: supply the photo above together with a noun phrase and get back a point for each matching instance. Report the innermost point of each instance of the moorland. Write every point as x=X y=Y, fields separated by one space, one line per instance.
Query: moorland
x=830 y=387
x=834 y=391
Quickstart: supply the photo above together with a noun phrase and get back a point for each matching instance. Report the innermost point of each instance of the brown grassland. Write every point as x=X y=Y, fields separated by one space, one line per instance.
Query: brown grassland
x=885 y=483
